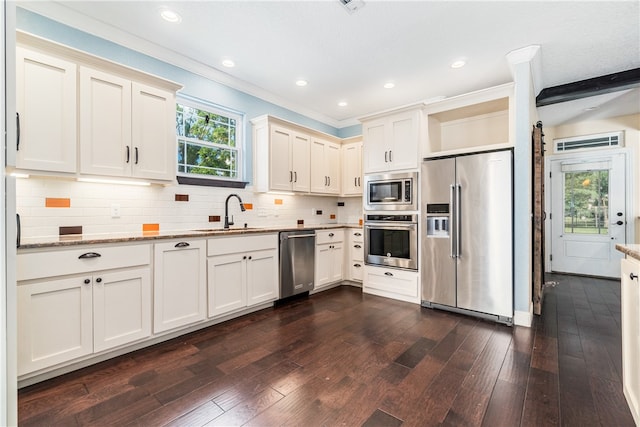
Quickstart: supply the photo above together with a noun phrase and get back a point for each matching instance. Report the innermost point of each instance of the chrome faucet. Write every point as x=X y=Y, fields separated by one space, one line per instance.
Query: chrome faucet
x=227 y=223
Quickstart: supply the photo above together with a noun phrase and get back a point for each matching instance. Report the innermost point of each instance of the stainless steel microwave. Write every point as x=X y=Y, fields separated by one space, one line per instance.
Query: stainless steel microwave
x=391 y=192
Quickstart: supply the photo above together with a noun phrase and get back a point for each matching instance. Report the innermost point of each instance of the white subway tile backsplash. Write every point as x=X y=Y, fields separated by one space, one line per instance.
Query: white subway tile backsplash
x=91 y=207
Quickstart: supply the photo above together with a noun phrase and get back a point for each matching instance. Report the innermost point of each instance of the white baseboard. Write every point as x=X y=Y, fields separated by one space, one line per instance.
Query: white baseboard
x=523 y=318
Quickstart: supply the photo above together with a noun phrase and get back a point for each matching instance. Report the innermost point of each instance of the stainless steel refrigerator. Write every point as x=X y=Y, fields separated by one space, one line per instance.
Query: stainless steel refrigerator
x=467 y=245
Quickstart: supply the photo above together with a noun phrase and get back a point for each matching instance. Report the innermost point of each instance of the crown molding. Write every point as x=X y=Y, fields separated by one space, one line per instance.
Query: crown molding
x=59 y=13
x=531 y=55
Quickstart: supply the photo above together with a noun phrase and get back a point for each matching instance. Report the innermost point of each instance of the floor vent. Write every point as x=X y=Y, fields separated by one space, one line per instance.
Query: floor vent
x=603 y=140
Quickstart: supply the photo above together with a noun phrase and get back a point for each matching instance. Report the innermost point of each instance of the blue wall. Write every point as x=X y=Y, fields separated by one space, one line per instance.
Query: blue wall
x=194 y=85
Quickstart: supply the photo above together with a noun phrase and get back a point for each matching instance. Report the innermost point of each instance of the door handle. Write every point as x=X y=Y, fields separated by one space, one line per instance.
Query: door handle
x=618 y=222
x=633 y=276
x=295 y=176
x=458 y=209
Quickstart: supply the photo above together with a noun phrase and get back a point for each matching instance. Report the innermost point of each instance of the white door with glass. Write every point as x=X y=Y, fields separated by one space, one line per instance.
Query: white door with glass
x=588 y=214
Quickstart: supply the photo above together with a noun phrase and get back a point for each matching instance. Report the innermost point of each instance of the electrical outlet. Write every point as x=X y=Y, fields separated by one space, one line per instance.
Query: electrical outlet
x=319 y=212
x=115 y=211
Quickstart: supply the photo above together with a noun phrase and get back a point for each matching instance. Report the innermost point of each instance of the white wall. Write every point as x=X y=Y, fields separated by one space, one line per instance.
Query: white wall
x=91 y=207
x=631 y=126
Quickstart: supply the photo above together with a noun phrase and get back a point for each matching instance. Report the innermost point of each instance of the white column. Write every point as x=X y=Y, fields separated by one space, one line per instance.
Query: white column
x=522 y=65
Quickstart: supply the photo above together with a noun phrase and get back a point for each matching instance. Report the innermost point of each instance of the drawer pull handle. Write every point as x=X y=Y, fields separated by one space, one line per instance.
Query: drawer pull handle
x=331 y=234
x=90 y=255
x=357 y=246
x=357 y=265
x=386 y=273
x=633 y=276
x=182 y=245
x=357 y=234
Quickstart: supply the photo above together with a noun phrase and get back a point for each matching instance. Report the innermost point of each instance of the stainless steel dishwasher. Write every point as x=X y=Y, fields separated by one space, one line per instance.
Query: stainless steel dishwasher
x=297 y=261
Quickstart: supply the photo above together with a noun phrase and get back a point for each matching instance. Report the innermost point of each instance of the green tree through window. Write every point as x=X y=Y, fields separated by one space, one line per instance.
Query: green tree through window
x=207 y=143
x=586 y=202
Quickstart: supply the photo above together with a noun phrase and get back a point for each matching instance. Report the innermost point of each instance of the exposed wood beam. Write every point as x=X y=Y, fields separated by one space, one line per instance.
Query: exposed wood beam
x=590 y=87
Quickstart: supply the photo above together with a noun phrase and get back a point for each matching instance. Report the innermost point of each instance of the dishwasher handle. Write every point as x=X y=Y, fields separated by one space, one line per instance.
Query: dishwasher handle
x=297 y=236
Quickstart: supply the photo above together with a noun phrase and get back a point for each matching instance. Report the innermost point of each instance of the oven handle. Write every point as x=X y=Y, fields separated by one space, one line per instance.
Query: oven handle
x=386 y=225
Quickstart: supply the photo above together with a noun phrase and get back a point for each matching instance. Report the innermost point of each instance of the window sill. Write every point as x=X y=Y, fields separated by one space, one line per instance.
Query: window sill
x=207 y=182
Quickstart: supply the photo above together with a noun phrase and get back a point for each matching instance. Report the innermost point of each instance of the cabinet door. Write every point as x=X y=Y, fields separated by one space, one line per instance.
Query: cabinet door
x=323 y=265
x=404 y=135
x=46 y=107
x=376 y=153
x=332 y=166
x=153 y=133
x=631 y=335
x=262 y=276
x=352 y=169
x=226 y=283
x=54 y=322
x=105 y=123
x=319 y=171
x=179 y=284
x=300 y=162
x=280 y=172
x=337 y=261
x=121 y=307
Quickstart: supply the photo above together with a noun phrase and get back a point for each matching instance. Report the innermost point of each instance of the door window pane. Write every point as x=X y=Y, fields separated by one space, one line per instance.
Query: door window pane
x=586 y=202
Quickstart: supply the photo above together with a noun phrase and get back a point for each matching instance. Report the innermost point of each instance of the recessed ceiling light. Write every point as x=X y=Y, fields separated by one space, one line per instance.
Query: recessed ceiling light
x=228 y=63
x=170 y=15
x=389 y=85
x=301 y=82
x=342 y=104
x=458 y=64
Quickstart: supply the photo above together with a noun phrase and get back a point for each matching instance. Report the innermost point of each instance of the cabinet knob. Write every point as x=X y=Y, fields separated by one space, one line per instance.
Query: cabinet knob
x=244 y=257
x=633 y=276
x=249 y=257
x=87 y=281
x=99 y=280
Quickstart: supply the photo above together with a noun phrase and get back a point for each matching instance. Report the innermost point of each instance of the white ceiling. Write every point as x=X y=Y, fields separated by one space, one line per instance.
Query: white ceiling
x=349 y=56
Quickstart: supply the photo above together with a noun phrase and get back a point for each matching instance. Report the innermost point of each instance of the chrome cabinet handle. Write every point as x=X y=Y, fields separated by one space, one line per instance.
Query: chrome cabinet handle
x=89 y=255
x=182 y=245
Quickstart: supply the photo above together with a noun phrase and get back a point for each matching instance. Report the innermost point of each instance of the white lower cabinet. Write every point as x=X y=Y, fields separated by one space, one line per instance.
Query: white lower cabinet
x=631 y=335
x=391 y=283
x=65 y=317
x=242 y=272
x=329 y=257
x=356 y=255
x=179 y=284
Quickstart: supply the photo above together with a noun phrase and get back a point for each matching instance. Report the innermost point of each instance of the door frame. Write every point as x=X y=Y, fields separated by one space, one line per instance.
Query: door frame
x=586 y=156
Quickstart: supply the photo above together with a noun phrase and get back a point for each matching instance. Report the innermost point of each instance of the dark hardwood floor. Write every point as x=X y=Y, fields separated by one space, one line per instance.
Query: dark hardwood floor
x=344 y=358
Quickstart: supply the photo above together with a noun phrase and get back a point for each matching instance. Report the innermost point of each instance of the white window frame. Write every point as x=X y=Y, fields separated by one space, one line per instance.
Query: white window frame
x=240 y=141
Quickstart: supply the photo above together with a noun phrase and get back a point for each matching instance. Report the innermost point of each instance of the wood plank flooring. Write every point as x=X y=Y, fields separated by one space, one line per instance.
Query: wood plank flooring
x=341 y=358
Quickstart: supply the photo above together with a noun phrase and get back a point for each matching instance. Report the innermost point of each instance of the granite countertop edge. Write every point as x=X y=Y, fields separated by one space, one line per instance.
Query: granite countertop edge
x=126 y=237
x=632 y=250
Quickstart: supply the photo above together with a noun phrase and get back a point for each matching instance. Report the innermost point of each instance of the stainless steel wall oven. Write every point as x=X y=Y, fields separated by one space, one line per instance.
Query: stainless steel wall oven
x=391 y=240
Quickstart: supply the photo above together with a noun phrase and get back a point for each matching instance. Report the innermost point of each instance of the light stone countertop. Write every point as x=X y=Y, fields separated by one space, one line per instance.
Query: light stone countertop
x=632 y=250
x=125 y=237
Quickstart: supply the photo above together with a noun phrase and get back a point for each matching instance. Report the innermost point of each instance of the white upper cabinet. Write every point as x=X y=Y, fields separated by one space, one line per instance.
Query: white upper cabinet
x=352 y=169
x=125 y=118
x=472 y=122
x=392 y=141
x=325 y=167
x=105 y=123
x=46 y=107
x=153 y=132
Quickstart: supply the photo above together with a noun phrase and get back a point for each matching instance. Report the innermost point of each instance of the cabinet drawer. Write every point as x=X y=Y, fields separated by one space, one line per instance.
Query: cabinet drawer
x=51 y=263
x=235 y=244
x=357 y=235
x=329 y=236
x=357 y=270
x=390 y=281
x=357 y=251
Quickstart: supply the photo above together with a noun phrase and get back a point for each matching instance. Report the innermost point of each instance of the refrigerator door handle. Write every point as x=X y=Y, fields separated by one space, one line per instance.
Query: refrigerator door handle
x=458 y=209
x=452 y=196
